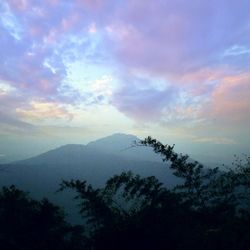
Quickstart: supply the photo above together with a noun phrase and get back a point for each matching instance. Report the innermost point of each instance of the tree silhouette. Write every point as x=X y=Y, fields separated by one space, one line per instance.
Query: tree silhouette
x=208 y=210
x=29 y=224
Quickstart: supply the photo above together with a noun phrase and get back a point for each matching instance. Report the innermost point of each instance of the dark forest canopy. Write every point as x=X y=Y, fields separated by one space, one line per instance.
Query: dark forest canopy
x=210 y=209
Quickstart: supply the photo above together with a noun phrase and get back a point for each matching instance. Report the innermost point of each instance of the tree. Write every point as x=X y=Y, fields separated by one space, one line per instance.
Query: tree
x=29 y=224
x=209 y=210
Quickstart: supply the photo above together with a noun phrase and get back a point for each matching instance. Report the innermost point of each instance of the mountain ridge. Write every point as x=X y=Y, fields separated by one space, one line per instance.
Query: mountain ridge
x=95 y=163
x=115 y=144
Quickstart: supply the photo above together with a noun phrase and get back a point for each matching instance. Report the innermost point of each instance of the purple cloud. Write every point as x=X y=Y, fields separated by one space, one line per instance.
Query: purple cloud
x=192 y=46
x=139 y=99
x=37 y=41
x=176 y=37
x=14 y=122
x=9 y=119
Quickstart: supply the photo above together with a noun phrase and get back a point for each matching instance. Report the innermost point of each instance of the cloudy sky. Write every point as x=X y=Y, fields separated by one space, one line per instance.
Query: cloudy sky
x=74 y=71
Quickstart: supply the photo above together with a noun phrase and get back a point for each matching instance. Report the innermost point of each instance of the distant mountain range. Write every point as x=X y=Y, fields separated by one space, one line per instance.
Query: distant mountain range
x=94 y=162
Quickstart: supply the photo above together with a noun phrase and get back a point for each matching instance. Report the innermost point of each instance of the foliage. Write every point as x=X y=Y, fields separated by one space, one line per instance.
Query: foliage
x=203 y=187
x=209 y=210
x=29 y=224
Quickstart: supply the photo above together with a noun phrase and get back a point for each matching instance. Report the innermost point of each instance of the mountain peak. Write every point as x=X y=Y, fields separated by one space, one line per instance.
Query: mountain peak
x=123 y=145
x=71 y=147
x=114 y=142
x=118 y=136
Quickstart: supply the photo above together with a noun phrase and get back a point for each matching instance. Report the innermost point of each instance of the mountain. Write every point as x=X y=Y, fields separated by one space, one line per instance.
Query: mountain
x=94 y=162
x=114 y=143
x=124 y=146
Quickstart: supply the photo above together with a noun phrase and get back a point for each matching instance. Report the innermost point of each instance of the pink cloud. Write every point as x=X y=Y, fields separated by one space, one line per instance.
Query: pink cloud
x=91 y=4
x=182 y=43
x=53 y=2
x=230 y=103
x=70 y=21
x=19 y=5
x=42 y=111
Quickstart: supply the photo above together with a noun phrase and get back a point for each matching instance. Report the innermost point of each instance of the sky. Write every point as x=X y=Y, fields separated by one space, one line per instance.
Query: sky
x=75 y=71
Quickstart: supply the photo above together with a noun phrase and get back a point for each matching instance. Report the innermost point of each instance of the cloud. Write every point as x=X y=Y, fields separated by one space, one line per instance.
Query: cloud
x=139 y=99
x=198 y=50
x=215 y=140
x=230 y=103
x=39 y=111
x=38 y=41
x=175 y=38
x=10 y=121
x=13 y=122
x=194 y=47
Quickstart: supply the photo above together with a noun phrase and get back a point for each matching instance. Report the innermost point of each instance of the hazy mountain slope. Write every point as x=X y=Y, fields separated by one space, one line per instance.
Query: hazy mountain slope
x=114 y=143
x=96 y=162
x=124 y=146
